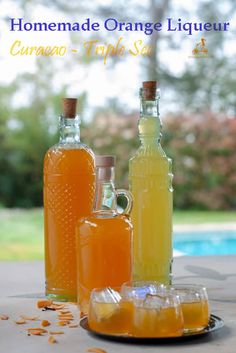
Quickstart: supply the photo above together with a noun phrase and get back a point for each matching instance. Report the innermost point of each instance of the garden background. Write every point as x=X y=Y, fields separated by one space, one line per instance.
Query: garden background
x=198 y=109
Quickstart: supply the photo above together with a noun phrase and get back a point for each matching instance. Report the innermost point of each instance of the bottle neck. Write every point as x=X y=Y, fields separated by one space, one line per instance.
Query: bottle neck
x=150 y=125
x=105 y=196
x=69 y=130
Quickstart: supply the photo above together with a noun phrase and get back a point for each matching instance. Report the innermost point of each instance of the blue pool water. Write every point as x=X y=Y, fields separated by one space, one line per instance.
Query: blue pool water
x=218 y=242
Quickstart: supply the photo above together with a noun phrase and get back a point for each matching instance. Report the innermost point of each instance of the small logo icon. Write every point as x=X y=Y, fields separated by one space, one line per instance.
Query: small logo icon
x=200 y=50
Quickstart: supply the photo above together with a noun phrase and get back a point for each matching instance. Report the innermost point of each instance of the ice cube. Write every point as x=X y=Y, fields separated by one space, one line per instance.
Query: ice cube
x=107 y=295
x=105 y=303
x=142 y=291
x=154 y=301
x=104 y=311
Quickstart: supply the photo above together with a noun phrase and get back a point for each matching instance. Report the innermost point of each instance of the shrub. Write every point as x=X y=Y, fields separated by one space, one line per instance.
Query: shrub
x=204 y=158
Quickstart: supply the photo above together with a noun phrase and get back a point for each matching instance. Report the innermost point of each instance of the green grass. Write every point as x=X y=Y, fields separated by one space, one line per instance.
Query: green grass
x=197 y=217
x=21 y=231
x=21 y=234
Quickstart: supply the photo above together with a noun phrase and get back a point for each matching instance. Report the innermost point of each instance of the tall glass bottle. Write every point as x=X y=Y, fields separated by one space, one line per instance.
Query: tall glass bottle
x=104 y=239
x=69 y=185
x=150 y=180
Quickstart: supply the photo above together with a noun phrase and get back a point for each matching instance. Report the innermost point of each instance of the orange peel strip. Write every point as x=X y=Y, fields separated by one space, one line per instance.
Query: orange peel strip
x=4 y=317
x=56 y=332
x=52 y=339
x=82 y=314
x=65 y=315
x=30 y=318
x=36 y=329
x=96 y=350
x=62 y=323
x=73 y=326
x=20 y=322
x=57 y=306
x=65 y=318
x=65 y=312
x=43 y=303
x=35 y=332
x=45 y=323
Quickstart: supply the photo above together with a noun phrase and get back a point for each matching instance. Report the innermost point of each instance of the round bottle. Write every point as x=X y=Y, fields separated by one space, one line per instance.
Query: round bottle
x=104 y=239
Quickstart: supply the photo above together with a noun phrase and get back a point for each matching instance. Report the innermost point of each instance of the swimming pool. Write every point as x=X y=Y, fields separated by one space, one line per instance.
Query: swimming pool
x=205 y=242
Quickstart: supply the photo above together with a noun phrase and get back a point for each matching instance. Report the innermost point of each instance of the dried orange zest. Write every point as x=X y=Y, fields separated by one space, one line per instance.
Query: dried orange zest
x=35 y=332
x=56 y=332
x=65 y=318
x=4 y=317
x=20 y=322
x=68 y=314
x=64 y=312
x=43 y=303
x=73 y=325
x=57 y=306
x=36 y=329
x=62 y=323
x=96 y=350
x=45 y=323
x=82 y=315
x=52 y=339
x=31 y=318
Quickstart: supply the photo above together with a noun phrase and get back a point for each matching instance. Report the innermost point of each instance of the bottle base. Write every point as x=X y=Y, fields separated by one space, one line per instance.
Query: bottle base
x=61 y=297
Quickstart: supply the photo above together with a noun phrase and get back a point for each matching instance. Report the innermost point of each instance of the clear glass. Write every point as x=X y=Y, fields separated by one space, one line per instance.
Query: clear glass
x=110 y=313
x=195 y=306
x=150 y=179
x=141 y=309
x=69 y=130
x=106 y=195
x=158 y=315
x=69 y=188
x=104 y=241
x=136 y=290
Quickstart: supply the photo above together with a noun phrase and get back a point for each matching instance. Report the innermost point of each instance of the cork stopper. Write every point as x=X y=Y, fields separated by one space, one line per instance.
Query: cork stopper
x=105 y=161
x=69 y=107
x=149 y=90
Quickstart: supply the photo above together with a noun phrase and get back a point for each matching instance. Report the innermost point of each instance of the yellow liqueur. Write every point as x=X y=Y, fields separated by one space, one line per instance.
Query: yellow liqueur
x=150 y=179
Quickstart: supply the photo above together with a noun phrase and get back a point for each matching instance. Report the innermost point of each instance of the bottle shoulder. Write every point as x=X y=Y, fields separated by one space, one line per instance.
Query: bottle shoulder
x=70 y=146
x=149 y=164
x=152 y=152
x=61 y=148
x=95 y=220
x=69 y=158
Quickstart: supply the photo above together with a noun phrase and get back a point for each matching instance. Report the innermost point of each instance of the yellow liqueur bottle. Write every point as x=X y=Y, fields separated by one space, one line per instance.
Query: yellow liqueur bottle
x=150 y=178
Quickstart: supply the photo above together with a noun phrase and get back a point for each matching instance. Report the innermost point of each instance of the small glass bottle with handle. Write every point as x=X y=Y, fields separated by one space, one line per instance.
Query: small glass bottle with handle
x=104 y=239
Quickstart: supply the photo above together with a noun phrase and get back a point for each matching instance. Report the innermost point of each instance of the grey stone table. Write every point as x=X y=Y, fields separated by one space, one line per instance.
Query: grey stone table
x=21 y=284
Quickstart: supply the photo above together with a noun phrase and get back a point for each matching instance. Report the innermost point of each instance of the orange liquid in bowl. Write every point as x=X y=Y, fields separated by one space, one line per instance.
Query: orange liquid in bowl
x=111 y=318
x=157 y=323
x=196 y=315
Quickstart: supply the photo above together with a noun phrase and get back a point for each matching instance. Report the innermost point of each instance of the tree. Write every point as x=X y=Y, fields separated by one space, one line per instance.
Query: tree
x=27 y=131
x=207 y=84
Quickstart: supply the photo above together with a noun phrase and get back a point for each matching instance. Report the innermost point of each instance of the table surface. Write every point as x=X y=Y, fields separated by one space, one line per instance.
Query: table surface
x=23 y=282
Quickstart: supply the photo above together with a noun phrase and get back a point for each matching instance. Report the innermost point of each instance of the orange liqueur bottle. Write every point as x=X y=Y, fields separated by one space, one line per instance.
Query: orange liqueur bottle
x=104 y=239
x=69 y=177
